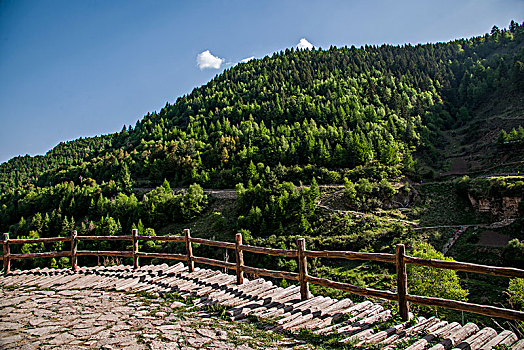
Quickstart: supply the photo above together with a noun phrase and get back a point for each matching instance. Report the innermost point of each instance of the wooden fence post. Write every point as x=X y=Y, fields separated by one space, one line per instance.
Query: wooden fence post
x=74 y=249
x=7 y=254
x=189 y=250
x=402 y=282
x=239 y=258
x=302 y=269
x=135 y=247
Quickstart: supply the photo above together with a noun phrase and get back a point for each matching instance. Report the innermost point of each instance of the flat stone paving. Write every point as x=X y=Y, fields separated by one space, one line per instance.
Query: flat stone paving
x=101 y=307
x=32 y=318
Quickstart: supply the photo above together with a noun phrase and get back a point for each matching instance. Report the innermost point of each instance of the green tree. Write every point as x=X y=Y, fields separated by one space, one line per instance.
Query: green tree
x=166 y=186
x=125 y=179
x=502 y=137
x=193 y=202
x=432 y=282
x=513 y=253
x=516 y=293
x=252 y=174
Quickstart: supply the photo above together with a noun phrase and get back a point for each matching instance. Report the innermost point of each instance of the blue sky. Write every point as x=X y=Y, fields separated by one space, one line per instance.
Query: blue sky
x=83 y=68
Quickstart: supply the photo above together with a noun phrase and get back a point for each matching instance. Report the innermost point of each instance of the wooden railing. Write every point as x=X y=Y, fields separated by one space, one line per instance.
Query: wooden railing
x=401 y=294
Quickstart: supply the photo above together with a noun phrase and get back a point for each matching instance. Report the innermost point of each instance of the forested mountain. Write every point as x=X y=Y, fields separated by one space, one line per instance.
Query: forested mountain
x=293 y=116
x=375 y=120
x=26 y=169
x=336 y=108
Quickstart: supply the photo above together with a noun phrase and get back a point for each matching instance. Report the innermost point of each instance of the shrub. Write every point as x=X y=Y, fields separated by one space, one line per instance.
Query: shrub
x=514 y=253
x=433 y=282
x=516 y=293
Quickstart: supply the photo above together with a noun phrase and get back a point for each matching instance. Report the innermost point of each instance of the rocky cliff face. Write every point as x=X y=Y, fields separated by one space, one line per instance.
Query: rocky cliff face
x=501 y=208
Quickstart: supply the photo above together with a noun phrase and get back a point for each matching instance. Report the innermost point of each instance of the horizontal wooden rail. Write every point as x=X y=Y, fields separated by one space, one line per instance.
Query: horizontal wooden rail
x=269 y=251
x=346 y=287
x=338 y=254
x=105 y=238
x=485 y=310
x=213 y=262
x=213 y=243
x=40 y=255
x=161 y=256
x=161 y=238
x=121 y=254
x=39 y=240
x=271 y=273
x=468 y=267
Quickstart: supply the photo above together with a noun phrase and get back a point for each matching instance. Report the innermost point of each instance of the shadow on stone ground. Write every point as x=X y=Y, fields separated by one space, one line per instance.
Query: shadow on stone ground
x=32 y=318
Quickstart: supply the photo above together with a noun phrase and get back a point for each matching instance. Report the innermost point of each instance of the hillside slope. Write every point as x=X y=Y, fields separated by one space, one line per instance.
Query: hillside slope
x=375 y=134
x=335 y=109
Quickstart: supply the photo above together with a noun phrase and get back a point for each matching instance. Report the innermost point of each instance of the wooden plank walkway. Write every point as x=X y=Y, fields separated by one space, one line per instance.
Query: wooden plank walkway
x=363 y=322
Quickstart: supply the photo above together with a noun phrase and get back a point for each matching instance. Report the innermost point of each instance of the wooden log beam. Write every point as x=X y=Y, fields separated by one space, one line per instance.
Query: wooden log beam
x=468 y=307
x=7 y=254
x=346 y=287
x=105 y=238
x=302 y=269
x=239 y=259
x=105 y=253
x=337 y=254
x=270 y=251
x=271 y=273
x=189 y=250
x=74 y=250
x=402 y=282
x=162 y=238
x=134 y=234
x=39 y=240
x=218 y=244
x=214 y=262
x=162 y=256
x=468 y=267
x=40 y=255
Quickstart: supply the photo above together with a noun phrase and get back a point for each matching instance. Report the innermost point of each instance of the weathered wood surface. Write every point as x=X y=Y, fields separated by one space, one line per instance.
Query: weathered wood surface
x=368 y=292
x=189 y=250
x=135 y=247
x=40 y=255
x=402 y=282
x=485 y=310
x=121 y=254
x=283 y=307
x=456 y=337
x=161 y=256
x=39 y=240
x=239 y=258
x=74 y=250
x=105 y=238
x=302 y=269
x=271 y=273
x=340 y=254
x=162 y=238
x=269 y=251
x=213 y=243
x=214 y=262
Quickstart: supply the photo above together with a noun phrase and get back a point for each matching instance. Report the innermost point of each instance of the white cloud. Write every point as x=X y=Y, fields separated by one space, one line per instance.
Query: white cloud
x=304 y=44
x=206 y=59
x=247 y=59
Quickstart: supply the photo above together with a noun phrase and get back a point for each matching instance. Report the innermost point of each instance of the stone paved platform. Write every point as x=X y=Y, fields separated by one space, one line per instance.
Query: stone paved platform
x=96 y=295
x=32 y=318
